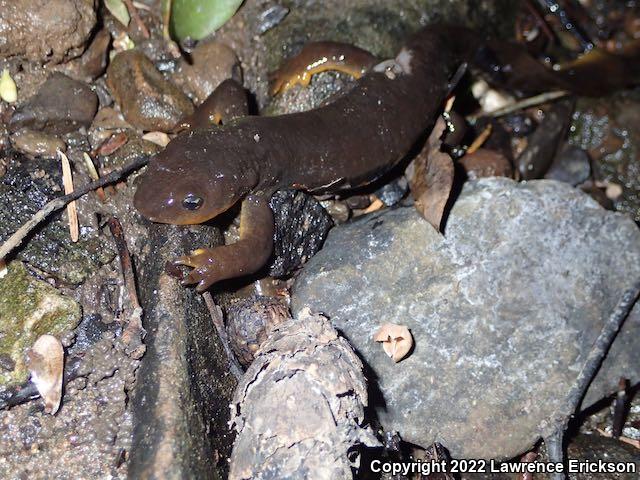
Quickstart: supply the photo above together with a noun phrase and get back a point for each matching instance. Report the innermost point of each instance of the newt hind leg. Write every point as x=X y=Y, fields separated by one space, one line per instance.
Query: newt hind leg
x=246 y=256
x=319 y=57
x=227 y=102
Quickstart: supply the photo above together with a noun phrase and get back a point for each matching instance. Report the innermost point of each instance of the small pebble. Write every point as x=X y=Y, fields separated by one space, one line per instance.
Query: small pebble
x=37 y=144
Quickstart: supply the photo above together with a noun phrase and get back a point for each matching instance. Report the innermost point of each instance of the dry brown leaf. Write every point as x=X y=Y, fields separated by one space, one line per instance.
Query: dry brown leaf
x=46 y=364
x=396 y=340
x=430 y=177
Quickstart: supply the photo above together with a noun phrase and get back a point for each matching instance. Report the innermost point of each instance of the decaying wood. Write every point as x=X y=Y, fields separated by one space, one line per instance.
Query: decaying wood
x=430 y=177
x=299 y=408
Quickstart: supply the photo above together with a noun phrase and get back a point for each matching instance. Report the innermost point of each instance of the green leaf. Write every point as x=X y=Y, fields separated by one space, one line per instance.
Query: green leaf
x=119 y=10
x=198 y=18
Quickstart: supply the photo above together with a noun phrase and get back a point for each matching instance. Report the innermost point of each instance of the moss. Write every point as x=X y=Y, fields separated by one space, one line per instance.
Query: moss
x=29 y=308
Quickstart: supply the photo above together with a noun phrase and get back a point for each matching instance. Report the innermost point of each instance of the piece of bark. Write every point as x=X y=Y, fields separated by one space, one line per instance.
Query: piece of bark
x=183 y=388
x=430 y=177
x=299 y=408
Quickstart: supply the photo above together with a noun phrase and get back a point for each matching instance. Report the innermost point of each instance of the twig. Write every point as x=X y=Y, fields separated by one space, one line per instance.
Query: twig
x=528 y=102
x=56 y=204
x=619 y=409
x=216 y=315
x=567 y=23
x=134 y=332
x=72 y=211
x=591 y=365
x=555 y=450
x=133 y=11
x=480 y=139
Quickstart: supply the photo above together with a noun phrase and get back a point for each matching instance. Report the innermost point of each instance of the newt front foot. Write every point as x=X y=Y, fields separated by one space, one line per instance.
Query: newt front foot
x=246 y=256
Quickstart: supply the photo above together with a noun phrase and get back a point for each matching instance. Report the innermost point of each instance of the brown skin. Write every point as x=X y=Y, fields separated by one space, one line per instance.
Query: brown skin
x=228 y=102
x=346 y=144
x=319 y=57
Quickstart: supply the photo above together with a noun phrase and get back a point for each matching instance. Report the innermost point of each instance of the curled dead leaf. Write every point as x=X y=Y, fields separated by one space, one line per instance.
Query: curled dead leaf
x=396 y=340
x=430 y=177
x=46 y=364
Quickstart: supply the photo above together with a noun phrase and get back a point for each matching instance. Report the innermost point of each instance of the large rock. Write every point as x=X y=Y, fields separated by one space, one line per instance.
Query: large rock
x=503 y=309
x=45 y=30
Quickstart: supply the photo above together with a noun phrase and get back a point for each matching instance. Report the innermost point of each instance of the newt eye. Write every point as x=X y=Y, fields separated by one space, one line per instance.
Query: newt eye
x=192 y=202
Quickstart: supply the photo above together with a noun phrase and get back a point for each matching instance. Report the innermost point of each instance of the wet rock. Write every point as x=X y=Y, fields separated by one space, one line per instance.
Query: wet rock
x=61 y=105
x=271 y=17
x=609 y=129
x=301 y=227
x=180 y=408
x=93 y=61
x=211 y=64
x=544 y=143
x=45 y=30
x=146 y=99
x=36 y=143
x=25 y=188
x=29 y=308
x=485 y=163
x=572 y=165
x=503 y=309
x=392 y=192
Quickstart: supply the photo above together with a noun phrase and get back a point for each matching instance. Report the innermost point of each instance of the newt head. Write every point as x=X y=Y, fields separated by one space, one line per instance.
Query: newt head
x=186 y=184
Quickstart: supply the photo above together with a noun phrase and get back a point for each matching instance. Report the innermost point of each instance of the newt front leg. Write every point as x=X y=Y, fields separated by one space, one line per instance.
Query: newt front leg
x=246 y=256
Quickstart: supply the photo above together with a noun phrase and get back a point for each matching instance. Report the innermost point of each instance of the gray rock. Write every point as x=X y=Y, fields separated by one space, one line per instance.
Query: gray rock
x=503 y=309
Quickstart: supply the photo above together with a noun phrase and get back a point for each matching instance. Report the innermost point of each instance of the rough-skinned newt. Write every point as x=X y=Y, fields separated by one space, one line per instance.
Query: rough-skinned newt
x=345 y=144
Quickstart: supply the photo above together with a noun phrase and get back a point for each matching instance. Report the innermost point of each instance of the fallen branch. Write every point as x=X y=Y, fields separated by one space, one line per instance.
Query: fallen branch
x=56 y=204
x=300 y=405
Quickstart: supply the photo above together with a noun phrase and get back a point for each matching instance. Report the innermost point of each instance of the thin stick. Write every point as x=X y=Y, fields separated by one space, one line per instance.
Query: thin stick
x=134 y=332
x=216 y=315
x=72 y=210
x=57 y=203
x=591 y=365
x=528 y=102
x=480 y=139
x=133 y=11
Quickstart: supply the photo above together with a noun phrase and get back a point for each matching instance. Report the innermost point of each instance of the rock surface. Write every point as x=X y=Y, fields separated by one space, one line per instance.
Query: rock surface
x=45 y=30
x=503 y=309
x=301 y=227
x=61 y=105
x=25 y=188
x=29 y=308
x=147 y=100
x=211 y=63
